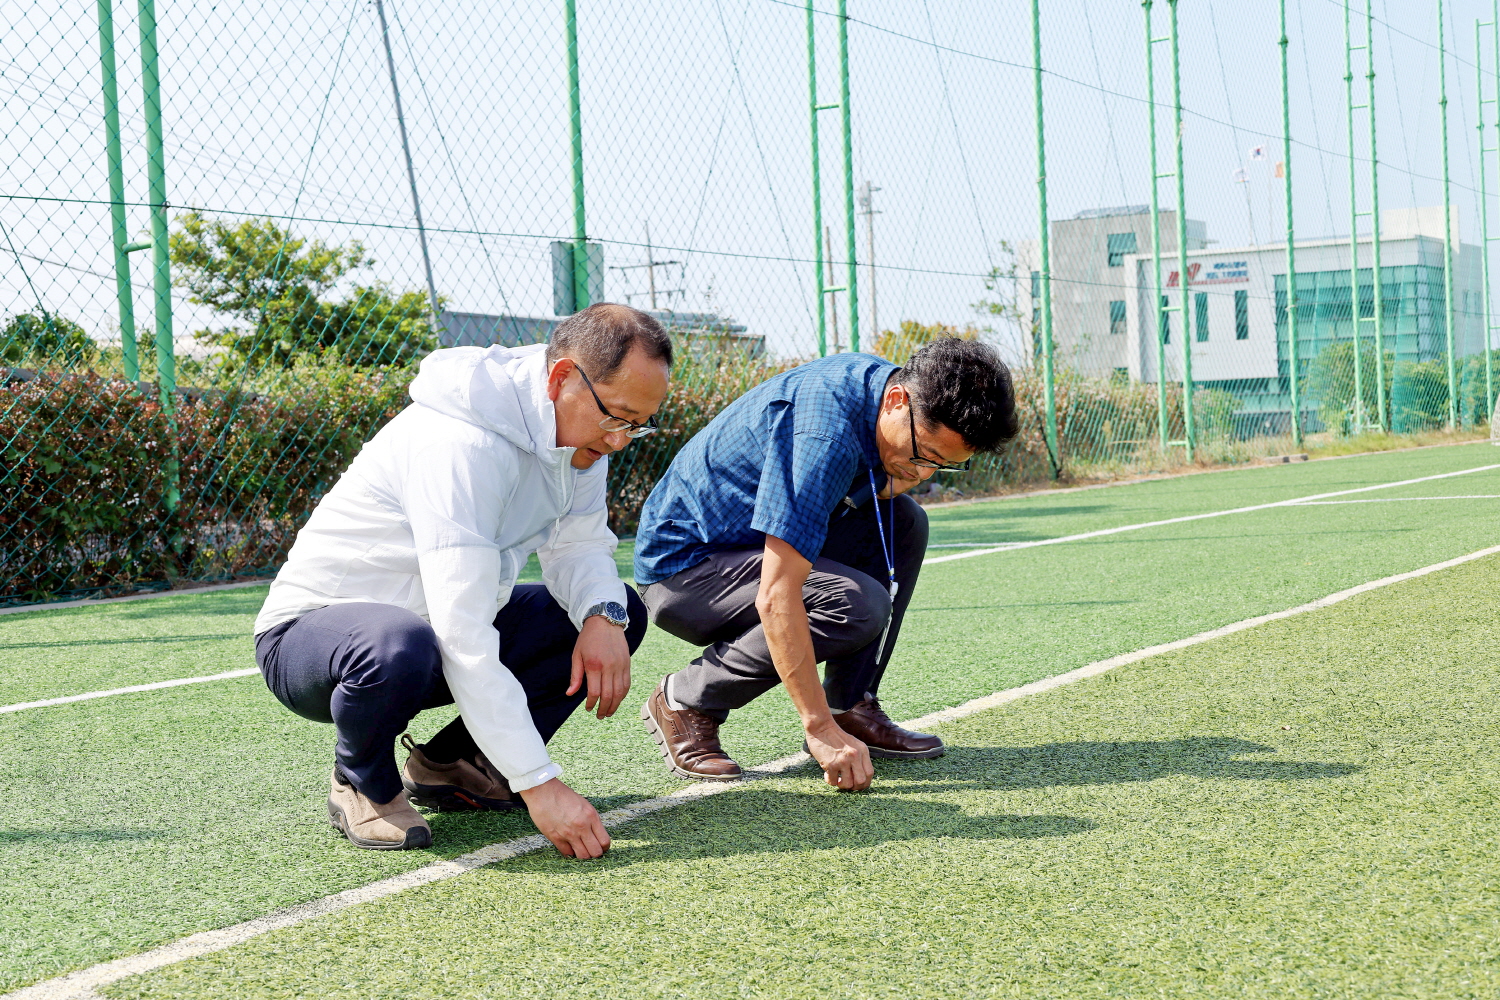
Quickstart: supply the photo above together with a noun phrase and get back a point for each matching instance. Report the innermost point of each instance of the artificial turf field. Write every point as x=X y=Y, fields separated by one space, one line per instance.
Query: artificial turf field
x=1302 y=809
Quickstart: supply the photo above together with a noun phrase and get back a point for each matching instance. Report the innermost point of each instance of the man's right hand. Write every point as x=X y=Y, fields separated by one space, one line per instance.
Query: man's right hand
x=845 y=760
x=567 y=819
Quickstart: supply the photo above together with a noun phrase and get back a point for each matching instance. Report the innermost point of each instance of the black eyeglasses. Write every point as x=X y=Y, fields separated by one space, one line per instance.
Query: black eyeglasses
x=613 y=424
x=918 y=460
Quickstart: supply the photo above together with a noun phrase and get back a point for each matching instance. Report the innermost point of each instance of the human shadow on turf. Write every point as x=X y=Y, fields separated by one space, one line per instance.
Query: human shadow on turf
x=1100 y=763
x=754 y=820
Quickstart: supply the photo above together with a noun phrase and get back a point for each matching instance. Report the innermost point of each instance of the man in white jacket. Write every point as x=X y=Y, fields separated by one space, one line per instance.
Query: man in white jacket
x=400 y=592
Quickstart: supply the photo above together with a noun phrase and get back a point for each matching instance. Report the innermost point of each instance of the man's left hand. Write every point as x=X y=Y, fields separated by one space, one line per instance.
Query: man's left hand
x=603 y=656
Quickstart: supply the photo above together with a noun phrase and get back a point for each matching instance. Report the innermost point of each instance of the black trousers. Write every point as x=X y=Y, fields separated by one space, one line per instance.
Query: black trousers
x=848 y=606
x=370 y=668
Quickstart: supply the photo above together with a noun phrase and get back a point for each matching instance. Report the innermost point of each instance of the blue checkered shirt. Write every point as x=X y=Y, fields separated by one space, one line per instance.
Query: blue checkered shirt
x=776 y=461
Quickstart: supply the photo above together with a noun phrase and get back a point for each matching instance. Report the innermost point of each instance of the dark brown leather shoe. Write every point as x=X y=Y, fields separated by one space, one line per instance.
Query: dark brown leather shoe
x=689 y=740
x=868 y=723
x=457 y=787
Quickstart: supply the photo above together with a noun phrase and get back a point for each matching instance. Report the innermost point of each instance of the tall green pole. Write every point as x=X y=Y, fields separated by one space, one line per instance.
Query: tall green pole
x=852 y=272
x=1376 y=274
x=575 y=148
x=1489 y=335
x=1156 y=307
x=1044 y=243
x=1185 y=310
x=819 y=291
x=1357 y=414
x=119 y=234
x=156 y=185
x=1447 y=229
x=1291 y=246
x=1484 y=212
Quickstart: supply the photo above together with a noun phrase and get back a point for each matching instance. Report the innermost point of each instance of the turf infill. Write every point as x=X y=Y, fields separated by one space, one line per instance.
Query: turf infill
x=1304 y=809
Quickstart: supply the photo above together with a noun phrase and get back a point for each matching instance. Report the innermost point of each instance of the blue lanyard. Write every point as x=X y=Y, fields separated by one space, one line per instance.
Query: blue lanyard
x=890 y=563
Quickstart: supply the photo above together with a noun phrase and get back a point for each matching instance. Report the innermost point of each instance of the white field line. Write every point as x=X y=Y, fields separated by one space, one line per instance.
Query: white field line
x=1309 y=500
x=1330 y=503
x=81 y=985
x=1102 y=532
x=159 y=685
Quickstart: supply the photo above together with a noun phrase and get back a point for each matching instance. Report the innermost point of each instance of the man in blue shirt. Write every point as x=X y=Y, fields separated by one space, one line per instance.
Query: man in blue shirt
x=763 y=544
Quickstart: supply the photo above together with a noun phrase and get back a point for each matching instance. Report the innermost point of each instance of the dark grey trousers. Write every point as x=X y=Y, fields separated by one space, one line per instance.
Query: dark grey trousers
x=712 y=604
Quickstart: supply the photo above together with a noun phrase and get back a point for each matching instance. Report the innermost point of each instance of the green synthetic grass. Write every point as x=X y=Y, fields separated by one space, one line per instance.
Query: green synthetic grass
x=1305 y=809
x=134 y=820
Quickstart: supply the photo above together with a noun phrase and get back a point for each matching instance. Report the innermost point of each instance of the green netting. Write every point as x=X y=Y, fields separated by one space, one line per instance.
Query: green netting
x=231 y=231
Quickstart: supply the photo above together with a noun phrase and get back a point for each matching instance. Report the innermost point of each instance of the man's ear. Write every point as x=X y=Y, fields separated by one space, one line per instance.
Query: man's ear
x=557 y=375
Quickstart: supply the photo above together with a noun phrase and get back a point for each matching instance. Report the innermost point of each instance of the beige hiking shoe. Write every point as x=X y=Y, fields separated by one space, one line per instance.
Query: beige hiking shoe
x=456 y=787
x=392 y=826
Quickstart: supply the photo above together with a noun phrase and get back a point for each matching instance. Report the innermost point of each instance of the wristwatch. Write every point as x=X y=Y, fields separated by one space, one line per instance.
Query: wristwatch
x=610 y=611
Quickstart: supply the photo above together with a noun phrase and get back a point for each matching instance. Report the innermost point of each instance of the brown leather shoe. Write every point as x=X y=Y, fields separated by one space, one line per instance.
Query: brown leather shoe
x=388 y=826
x=868 y=723
x=689 y=740
x=457 y=787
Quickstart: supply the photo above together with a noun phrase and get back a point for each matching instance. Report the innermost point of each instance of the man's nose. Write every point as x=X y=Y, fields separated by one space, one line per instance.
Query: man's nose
x=617 y=440
x=924 y=474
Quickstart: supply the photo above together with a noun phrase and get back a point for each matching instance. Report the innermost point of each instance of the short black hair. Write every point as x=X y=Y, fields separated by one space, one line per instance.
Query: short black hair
x=600 y=337
x=964 y=386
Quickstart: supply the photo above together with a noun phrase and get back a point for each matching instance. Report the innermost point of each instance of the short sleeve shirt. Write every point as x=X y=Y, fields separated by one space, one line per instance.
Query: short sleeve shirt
x=777 y=461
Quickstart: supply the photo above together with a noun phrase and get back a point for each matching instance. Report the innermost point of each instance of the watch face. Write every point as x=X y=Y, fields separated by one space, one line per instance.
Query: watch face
x=615 y=611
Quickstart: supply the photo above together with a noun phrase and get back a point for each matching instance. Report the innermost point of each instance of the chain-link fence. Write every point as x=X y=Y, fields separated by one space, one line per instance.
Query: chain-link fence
x=232 y=229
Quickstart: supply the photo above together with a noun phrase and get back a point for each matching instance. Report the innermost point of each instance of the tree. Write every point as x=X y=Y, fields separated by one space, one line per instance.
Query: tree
x=899 y=346
x=278 y=285
x=44 y=339
x=1003 y=282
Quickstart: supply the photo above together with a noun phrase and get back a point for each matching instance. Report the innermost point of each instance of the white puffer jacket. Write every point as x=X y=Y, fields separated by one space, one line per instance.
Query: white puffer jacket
x=438 y=514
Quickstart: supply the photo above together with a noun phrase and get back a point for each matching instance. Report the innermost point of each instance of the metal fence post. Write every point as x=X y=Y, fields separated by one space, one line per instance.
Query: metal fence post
x=1484 y=209
x=1382 y=408
x=1291 y=246
x=1447 y=228
x=1489 y=333
x=1157 y=312
x=813 y=107
x=114 y=167
x=411 y=173
x=1044 y=246
x=575 y=147
x=852 y=275
x=1189 y=435
x=1357 y=411
x=156 y=183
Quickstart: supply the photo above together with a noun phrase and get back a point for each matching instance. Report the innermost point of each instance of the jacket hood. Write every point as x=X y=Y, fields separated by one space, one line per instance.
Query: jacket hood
x=501 y=389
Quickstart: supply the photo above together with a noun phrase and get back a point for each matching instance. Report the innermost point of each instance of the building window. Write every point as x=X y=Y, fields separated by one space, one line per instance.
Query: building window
x=1166 y=321
x=1120 y=244
x=1242 y=315
x=1117 y=317
x=1200 y=315
x=1036 y=284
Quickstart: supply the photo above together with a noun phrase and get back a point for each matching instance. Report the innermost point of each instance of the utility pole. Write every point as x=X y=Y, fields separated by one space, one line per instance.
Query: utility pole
x=651 y=265
x=867 y=203
x=411 y=174
x=1189 y=435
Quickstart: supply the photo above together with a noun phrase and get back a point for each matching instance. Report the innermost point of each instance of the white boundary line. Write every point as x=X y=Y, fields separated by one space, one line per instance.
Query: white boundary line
x=1009 y=547
x=1331 y=503
x=45 y=702
x=81 y=985
x=1013 y=546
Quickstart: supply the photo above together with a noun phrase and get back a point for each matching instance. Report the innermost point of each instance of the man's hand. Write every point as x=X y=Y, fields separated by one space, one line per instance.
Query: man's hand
x=567 y=819
x=845 y=760
x=603 y=656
